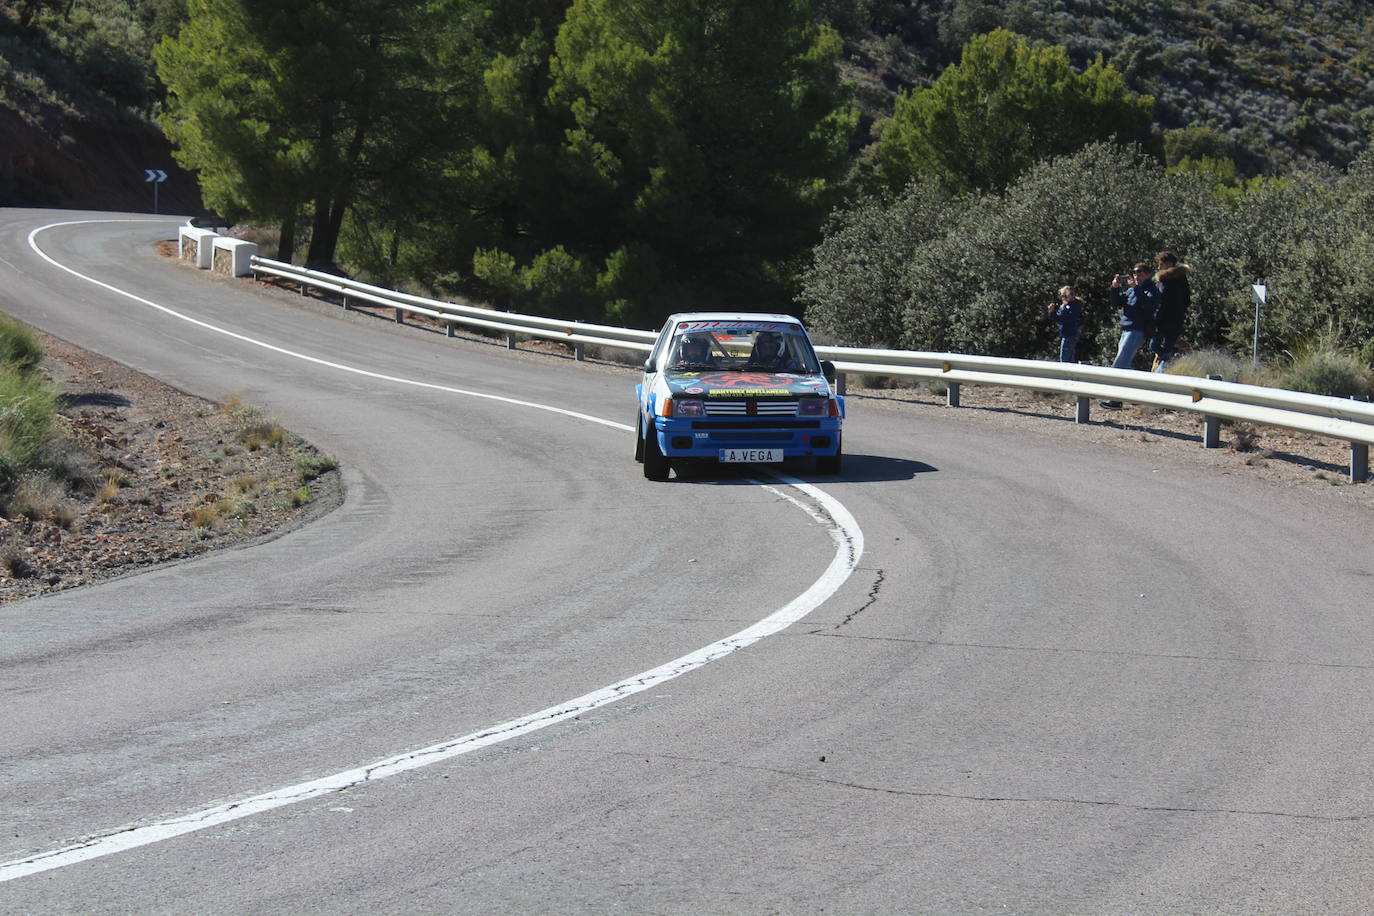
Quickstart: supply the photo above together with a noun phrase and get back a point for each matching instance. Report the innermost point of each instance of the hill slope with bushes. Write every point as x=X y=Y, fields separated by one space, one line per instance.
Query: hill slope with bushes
x=78 y=94
x=1284 y=82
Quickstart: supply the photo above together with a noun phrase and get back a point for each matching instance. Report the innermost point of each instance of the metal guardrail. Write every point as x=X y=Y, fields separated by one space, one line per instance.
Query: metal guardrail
x=451 y=314
x=1212 y=398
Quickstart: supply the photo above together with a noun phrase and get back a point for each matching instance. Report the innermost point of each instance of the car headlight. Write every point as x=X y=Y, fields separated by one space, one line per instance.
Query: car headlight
x=675 y=408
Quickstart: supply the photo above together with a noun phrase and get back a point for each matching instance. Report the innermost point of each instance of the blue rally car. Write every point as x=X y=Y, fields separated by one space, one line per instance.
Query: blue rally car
x=736 y=387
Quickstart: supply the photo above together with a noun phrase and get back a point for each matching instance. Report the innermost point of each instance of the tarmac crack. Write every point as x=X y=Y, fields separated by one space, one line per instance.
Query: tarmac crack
x=1109 y=653
x=878 y=579
x=1031 y=800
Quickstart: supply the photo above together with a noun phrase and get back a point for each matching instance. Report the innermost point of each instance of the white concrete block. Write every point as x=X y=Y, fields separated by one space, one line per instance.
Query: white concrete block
x=234 y=256
x=198 y=245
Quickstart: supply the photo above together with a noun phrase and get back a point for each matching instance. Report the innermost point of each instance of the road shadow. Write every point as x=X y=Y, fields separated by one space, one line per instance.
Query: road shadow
x=92 y=399
x=857 y=469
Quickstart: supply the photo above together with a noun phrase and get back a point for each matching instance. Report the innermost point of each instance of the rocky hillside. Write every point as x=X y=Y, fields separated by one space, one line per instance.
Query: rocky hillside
x=1285 y=82
x=78 y=95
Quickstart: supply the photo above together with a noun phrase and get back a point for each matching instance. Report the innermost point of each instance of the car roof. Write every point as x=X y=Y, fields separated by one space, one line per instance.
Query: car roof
x=733 y=316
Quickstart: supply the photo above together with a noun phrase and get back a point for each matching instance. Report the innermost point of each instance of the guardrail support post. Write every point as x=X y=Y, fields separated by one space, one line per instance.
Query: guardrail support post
x=952 y=394
x=580 y=351
x=1081 y=410
x=400 y=316
x=449 y=328
x=1359 y=462
x=1211 y=432
x=841 y=383
x=1211 y=426
x=347 y=307
x=510 y=341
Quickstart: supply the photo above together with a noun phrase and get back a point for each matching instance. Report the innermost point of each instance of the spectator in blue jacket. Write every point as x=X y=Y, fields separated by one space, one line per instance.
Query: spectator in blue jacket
x=1066 y=312
x=1138 y=298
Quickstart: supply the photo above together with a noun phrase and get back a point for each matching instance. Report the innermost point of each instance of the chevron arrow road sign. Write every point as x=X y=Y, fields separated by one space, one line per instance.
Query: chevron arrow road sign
x=157 y=177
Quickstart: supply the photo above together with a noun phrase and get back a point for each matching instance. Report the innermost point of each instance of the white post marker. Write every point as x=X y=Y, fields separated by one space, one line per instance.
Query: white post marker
x=157 y=177
x=1260 y=293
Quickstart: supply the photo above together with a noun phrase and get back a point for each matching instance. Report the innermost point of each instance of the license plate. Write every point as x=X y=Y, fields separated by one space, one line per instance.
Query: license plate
x=751 y=455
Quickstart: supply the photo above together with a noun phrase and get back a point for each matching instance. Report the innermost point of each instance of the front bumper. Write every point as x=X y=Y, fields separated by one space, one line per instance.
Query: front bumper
x=705 y=437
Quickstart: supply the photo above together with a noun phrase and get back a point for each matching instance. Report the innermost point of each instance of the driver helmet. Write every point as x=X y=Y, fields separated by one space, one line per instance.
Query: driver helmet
x=694 y=348
x=767 y=344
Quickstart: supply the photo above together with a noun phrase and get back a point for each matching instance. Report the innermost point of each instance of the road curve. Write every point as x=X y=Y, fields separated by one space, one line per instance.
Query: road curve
x=1061 y=680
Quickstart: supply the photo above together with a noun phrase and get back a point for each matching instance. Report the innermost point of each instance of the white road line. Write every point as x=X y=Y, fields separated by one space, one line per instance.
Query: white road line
x=824 y=509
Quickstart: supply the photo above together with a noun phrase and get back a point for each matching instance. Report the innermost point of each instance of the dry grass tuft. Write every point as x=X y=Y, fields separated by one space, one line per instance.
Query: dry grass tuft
x=252 y=428
x=38 y=496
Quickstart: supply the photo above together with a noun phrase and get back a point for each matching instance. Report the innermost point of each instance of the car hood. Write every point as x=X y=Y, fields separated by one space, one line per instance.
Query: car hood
x=736 y=384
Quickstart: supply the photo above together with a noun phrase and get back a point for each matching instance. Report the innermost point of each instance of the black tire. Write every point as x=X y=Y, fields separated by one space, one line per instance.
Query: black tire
x=831 y=464
x=639 y=438
x=655 y=462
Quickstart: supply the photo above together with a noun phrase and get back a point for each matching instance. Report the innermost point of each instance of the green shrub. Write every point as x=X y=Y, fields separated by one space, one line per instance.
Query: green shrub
x=1327 y=372
x=19 y=346
x=308 y=467
x=28 y=405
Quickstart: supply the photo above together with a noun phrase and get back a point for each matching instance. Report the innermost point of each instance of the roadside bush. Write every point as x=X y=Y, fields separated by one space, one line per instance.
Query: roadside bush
x=1327 y=372
x=1209 y=362
x=28 y=406
x=1307 y=238
x=309 y=467
x=857 y=281
x=251 y=427
x=19 y=347
x=973 y=274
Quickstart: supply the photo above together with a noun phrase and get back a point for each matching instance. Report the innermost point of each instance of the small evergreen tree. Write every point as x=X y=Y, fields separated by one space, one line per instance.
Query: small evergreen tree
x=1004 y=106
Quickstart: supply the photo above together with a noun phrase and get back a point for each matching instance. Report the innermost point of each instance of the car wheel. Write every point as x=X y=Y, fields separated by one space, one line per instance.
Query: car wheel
x=639 y=438
x=831 y=464
x=655 y=462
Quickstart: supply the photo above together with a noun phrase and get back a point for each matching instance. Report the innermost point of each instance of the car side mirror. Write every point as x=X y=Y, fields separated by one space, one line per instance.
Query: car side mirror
x=649 y=364
x=828 y=370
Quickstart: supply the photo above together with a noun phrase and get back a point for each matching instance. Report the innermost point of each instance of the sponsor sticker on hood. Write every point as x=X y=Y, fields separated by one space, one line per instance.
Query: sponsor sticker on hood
x=745 y=384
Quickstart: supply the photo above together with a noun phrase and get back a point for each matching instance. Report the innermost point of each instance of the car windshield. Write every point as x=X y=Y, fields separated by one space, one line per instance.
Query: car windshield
x=701 y=346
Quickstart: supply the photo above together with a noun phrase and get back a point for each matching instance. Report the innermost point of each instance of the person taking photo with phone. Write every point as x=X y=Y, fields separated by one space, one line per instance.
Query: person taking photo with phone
x=1138 y=298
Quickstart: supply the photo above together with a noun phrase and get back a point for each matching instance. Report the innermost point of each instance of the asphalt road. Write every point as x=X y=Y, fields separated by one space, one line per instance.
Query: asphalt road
x=1057 y=679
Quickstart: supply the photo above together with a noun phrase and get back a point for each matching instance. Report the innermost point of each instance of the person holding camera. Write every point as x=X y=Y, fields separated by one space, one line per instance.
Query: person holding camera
x=1138 y=298
x=1066 y=312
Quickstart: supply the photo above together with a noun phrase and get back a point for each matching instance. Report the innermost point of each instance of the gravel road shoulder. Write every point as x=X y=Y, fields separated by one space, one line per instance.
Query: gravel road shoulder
x=154 y=476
